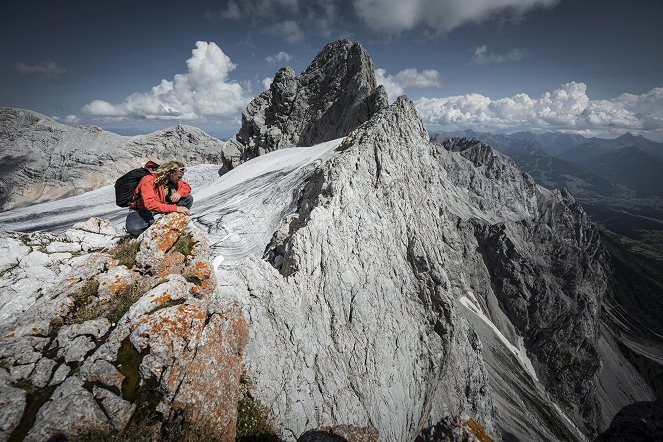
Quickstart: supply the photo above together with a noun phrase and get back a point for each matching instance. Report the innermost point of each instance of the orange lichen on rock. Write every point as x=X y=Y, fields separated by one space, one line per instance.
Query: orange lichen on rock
x=475 y=429
x=199 y=359
x=172 y=262
x=170 y=231
x=200 y=273
x=118 y=285
x=210 y=391
x=163 y=298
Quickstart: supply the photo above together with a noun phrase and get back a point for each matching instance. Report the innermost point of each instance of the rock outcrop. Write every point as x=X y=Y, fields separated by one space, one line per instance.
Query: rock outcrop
x=333 y=96
x=123 y=331
x=44 y=160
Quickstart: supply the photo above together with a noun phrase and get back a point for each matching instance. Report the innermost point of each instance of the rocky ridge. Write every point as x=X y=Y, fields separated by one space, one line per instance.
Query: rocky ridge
x=44 y=160
x=333 y=96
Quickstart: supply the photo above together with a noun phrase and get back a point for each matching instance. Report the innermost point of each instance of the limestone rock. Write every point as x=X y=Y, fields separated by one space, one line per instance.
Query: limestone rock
x=60 y=374
x=196 y=360
x=104 y=372
x=71 y=411
x=116 y=408
x=115 y=281
x=42 y=373
x=12 y=405
x=93 y=234
x=157 y=241
x=332 y=97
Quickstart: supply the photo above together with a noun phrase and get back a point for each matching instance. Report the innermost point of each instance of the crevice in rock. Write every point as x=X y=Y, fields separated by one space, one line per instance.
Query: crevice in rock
x=35 y=399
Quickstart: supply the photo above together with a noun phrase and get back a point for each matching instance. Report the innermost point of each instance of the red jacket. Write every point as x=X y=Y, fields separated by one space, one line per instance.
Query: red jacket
x=153 y=198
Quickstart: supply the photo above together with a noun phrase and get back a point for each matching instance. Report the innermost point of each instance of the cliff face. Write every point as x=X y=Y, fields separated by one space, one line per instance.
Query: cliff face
x=390 y=241
x=43 y=160
x=333 y=96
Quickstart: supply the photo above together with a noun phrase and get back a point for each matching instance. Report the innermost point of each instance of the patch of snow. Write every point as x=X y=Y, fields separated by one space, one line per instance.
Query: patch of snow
x=470 y=302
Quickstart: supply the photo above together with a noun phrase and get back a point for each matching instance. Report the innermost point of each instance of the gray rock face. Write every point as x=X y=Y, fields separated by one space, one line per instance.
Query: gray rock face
x=549 y=277
x=361 y=318
x=44 y=160
x=333 y=96
x=373 y=276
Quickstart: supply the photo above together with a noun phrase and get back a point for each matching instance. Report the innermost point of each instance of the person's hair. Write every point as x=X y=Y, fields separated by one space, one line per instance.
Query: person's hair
x=164 y=171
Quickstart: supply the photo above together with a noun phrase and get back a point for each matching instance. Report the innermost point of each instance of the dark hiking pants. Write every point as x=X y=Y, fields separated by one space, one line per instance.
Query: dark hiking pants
x=139 y=220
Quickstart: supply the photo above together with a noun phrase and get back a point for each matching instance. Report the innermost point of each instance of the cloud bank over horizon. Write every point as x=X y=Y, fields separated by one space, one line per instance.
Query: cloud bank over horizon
x=567 y=109
x=204 y=91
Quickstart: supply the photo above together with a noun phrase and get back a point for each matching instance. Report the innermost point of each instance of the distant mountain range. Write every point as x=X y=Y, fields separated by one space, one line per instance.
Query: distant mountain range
x=618 y=181
x=43 y=160
x=602 y=166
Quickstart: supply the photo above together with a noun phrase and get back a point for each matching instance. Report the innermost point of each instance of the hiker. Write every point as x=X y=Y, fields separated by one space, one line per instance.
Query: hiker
x=161 y=191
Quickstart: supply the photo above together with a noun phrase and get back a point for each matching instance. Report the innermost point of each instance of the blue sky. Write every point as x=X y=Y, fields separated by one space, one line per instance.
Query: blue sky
x=584 y=66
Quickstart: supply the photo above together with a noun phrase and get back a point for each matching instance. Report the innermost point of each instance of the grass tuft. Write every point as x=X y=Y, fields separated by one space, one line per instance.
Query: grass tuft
x=125 y=252
x=185 y=244
x=127 y=298
x=252 y=422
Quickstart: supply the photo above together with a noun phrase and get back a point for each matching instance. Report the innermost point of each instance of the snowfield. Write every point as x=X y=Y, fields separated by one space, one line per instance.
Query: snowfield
x=239 y=211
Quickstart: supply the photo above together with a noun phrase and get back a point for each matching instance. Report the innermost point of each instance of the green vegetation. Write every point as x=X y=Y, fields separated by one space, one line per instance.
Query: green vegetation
x=252 y=422
x=128 y=361
x=121 y=304
x=83 y=309
x=146 y=426
x=125 y=252
x=185 y=244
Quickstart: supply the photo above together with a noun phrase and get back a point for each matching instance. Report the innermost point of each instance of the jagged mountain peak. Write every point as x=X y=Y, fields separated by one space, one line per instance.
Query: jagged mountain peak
x=333 y=96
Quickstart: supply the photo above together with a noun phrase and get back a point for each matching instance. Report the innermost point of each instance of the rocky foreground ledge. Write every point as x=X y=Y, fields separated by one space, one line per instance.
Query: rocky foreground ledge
x=98 y=331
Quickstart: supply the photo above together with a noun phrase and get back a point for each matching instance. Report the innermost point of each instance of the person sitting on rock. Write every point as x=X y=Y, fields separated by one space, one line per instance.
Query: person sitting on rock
x=162 y=191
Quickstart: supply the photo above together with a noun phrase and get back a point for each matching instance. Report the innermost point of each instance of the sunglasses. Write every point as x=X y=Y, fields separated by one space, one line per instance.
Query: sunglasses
x=181 y=169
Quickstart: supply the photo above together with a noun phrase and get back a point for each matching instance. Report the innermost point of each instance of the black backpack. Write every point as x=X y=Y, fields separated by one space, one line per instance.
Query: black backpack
x=125 y=186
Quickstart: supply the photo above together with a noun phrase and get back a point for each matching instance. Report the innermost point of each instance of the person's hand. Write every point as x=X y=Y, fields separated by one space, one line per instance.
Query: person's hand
x=175 y=197
x=182 y=209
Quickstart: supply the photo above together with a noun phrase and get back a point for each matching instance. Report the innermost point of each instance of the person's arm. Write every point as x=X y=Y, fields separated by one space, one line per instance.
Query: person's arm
x=183 y=188
x=151 y=199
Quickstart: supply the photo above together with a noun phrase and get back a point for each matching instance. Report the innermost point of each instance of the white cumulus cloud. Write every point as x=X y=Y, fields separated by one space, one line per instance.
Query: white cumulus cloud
x=267 y=82
x=45 y=69
x=567 y=109
x=482 y=56
x=281 y=57
x=71 y=119
x=395 y=84
x=203 y=91
x=394 y=16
